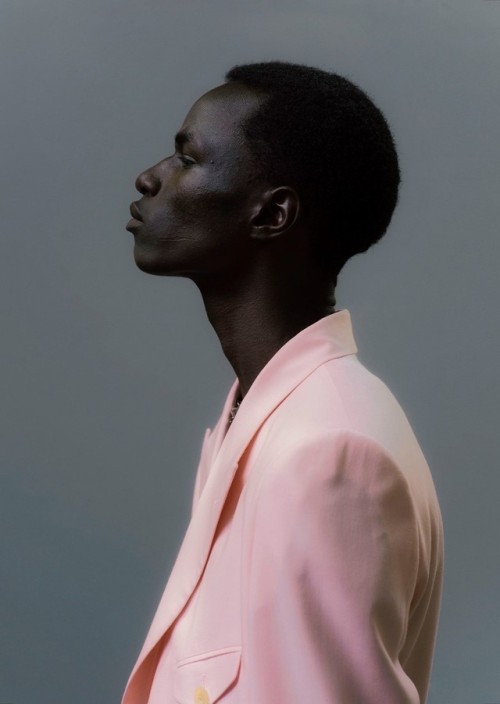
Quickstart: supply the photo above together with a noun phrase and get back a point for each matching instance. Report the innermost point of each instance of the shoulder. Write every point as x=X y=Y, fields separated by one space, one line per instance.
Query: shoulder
x=342 y=404
x=340 y=446
x=331 y=460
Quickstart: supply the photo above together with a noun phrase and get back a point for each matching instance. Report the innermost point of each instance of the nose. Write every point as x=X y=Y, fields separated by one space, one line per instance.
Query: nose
x=147 y=183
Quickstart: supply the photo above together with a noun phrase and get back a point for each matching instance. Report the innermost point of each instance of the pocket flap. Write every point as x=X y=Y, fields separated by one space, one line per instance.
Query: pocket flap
x=215 y=671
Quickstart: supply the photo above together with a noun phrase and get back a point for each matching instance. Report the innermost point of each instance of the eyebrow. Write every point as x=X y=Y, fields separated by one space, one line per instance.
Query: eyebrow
x=183 y=137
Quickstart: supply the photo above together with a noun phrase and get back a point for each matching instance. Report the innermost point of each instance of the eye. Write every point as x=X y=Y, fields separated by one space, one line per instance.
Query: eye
x=186 y=161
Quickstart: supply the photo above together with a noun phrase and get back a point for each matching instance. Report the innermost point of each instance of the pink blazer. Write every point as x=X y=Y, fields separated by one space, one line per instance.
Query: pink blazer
x=311 y=570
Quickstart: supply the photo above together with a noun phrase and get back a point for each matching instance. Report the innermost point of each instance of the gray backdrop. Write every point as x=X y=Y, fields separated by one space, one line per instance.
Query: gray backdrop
x=110 y=377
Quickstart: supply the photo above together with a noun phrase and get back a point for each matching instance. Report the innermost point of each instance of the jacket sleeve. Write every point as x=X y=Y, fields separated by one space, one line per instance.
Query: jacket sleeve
x=333 y=569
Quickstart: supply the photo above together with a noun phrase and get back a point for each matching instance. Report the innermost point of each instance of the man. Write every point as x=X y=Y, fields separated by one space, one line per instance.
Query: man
x=311 y=569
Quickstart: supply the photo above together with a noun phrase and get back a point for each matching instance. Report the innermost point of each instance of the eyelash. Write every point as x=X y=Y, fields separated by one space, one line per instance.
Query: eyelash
x=186 y=161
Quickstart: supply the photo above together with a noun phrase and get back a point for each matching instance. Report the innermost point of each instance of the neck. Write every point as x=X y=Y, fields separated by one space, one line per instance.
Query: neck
x=256 y=313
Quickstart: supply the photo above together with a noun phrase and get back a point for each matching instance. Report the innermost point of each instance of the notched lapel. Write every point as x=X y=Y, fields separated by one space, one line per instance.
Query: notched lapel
x=213 y=480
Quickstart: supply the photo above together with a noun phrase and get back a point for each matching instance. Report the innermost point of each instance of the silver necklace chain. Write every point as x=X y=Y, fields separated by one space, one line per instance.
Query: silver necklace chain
x=233 y=411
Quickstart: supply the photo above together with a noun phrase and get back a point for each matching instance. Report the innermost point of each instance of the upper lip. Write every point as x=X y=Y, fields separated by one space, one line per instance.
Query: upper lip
x=134 y=211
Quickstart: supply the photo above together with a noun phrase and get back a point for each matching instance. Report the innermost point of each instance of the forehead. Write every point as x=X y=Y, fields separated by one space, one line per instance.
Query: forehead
x=214 y=122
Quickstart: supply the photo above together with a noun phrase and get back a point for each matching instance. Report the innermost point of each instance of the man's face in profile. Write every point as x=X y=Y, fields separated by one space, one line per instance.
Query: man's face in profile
x=197 y=201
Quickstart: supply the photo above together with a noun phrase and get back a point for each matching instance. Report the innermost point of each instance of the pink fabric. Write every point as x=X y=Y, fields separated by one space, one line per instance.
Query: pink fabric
x=311 y=569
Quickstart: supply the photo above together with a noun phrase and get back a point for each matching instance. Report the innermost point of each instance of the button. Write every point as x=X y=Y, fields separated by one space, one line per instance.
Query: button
x=201 y=696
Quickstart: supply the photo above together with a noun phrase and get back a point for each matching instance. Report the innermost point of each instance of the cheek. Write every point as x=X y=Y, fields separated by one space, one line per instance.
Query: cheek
x=169 y=215
x=204 y=207
x=216 y=213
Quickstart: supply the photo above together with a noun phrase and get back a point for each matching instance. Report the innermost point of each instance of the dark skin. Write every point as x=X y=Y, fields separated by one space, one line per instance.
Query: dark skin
x=206 y=215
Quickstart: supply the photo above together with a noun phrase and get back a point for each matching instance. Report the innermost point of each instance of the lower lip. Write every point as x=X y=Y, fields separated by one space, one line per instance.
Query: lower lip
x=132 y=224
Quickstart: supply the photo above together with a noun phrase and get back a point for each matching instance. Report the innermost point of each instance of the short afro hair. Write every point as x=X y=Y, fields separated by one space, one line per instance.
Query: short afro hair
x=321 y=134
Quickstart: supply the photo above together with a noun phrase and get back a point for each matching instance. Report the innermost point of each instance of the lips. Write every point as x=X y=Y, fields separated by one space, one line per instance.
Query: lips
x=135 y=212
x=136 y=220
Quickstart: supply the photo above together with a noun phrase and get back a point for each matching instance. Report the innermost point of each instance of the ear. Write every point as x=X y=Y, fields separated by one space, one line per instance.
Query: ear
x=275 y=213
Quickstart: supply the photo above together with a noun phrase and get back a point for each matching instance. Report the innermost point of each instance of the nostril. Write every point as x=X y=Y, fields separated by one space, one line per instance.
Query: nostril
x=147 y=184
x=139 y=185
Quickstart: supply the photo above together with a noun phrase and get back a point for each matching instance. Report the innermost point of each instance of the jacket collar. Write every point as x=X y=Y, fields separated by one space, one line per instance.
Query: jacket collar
x=328 y=338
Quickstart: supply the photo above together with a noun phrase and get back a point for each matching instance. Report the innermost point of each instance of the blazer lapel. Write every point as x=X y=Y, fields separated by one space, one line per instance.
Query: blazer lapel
x=329 y=337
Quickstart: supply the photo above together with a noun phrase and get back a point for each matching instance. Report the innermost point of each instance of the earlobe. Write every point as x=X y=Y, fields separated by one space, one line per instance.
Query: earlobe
x=275 y=213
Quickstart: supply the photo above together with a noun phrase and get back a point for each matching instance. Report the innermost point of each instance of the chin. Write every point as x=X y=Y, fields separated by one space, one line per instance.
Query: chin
x=154 y=265
x=148 y=263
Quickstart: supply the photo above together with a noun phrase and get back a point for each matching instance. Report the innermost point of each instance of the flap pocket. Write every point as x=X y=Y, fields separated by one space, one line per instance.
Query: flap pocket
x=214 y=671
